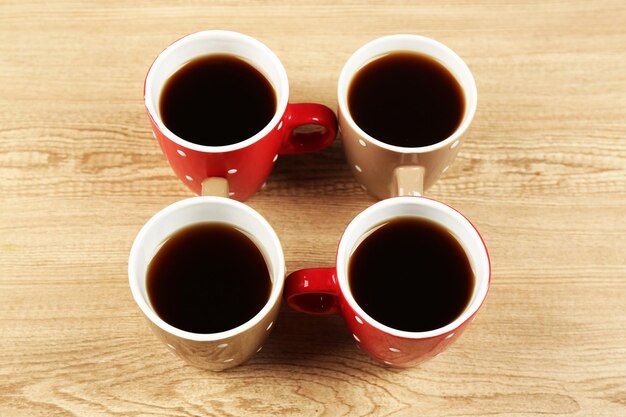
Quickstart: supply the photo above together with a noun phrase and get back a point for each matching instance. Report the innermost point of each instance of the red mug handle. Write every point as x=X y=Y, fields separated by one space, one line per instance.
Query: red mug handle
x=313 y=291
x=322 y=132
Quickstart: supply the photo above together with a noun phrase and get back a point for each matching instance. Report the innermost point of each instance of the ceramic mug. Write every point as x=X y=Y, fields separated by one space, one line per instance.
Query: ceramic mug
x=213 y=351
x=245 y=164
x=386 y=170
x=327 y=290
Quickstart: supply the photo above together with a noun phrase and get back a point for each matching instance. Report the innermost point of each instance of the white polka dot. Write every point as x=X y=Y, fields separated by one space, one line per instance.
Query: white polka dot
x=181 y=152
x=264 y=185
x=387 y=363
x=358 y=168
x=154 y=135
x=232 y=171
x=362 y=142
x=171 y=346
x=448 y=336
x=280 y=125
x=275 y=158
x=259 y=349
x=358 y=319
x=188 y=178
x=445 y=169
x=229 y=360
x=393 y=349
x=231 y=193
x=222 y=345
x=356 y=338
x=269 y=326
x=455 y=144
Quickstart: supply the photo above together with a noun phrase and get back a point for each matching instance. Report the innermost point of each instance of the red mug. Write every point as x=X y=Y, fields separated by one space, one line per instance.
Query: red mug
x=246 y=164
x=327 y=290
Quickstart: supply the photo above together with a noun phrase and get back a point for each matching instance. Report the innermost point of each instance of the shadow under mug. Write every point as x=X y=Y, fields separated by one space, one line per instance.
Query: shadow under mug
x=386 y=170
x=327 y=290
x=213 y=351
x=245 y=164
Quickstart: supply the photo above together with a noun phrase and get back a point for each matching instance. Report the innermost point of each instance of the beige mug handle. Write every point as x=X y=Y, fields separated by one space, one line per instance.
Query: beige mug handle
x=215 y=186
x=408 y=180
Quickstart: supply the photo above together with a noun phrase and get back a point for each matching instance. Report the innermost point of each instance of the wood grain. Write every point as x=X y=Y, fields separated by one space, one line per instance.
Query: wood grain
x=542 y=175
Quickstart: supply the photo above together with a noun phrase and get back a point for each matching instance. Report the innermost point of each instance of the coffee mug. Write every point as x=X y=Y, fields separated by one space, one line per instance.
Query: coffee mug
x=245 y=164
x=386 y=170
x=328 y=290
x=224 y=349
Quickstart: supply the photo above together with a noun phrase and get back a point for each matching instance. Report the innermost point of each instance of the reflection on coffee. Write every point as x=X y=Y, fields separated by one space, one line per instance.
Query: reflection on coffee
x=406 y=99
x=217 y=100
x=411 y=274
x=208 y=278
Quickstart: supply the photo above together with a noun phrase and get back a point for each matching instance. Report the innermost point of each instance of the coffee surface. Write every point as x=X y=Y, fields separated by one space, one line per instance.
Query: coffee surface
x=411 y=274
x=208 y=278
x=406 y=99
x=217 y=100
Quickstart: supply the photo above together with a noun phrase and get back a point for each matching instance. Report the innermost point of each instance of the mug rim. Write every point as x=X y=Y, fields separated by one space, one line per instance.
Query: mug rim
x=282 y=90
x=343 y=255
x=345 y=79
x=148 y=311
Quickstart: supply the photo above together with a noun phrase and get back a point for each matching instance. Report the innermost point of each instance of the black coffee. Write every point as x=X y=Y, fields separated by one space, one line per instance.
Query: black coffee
x=411 y=274
x=208 y=278
x=217 y=100
x=406 y=99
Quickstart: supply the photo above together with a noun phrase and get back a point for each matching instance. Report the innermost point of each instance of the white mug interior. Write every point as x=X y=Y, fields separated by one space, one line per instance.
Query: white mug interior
x=408 y=43
x=197 y=210
x=216 y=42
x=422 y=207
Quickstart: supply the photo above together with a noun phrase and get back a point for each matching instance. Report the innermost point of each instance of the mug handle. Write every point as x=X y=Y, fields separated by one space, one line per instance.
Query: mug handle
x=323 y=128
x=313 y=291
x=408 y=180
x=215 y=186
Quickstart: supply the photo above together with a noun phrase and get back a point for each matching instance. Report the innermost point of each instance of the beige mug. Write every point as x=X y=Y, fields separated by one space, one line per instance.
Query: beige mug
x=386 y=170
x=225 y=349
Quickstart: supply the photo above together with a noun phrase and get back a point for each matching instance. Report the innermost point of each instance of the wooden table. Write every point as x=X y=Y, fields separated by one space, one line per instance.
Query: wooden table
x=542 y=175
